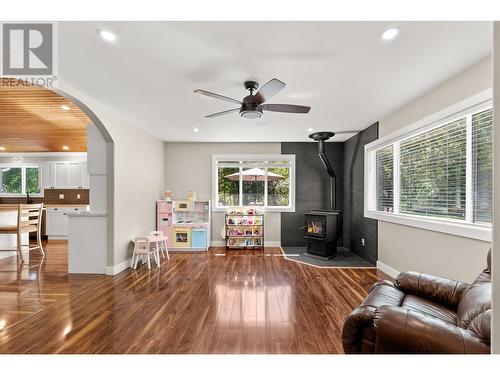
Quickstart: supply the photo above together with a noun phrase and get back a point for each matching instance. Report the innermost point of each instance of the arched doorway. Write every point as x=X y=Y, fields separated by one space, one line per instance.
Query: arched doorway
x=29 y=112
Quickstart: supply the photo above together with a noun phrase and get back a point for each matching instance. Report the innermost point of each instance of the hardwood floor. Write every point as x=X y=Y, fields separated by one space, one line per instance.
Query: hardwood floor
x=216 y=302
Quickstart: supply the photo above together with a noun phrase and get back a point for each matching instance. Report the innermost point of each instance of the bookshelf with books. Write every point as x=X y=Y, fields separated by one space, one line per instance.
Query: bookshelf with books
x=244 y=229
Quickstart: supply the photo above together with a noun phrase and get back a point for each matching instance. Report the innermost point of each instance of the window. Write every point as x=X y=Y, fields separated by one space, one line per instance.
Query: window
x=435 y=174
x=432 y=172
x=482 y=154
x=254 y=180
x=384 y=175
x=19 y=180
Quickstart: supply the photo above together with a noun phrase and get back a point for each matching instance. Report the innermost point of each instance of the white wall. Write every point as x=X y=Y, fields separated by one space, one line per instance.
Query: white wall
x=136 y=178
x=407 y=248
x=495 y=336
x=189 y=168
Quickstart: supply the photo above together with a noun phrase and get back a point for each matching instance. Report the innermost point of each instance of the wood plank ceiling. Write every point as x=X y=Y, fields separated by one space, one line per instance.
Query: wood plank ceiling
x=32 y=119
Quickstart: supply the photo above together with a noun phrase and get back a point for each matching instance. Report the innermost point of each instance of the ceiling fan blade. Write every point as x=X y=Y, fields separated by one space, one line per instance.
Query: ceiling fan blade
x=222 y=113
x=288 y=108
x=267 y=91
x=217 y=96
x=348 y=132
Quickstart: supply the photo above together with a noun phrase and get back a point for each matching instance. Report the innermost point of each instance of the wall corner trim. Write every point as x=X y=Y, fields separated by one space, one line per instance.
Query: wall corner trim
x=117 y=268
x=387 y=269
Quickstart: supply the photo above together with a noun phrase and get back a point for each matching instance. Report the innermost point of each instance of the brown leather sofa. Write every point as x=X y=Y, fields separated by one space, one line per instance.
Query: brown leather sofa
x=421 y=313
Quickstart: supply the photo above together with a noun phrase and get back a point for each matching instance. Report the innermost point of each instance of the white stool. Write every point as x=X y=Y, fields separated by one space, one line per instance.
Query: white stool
x=143 y=250
x=163 y=244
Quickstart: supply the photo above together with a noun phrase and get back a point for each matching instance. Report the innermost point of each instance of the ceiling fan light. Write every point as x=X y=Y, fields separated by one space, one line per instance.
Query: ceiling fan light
x=251 y=115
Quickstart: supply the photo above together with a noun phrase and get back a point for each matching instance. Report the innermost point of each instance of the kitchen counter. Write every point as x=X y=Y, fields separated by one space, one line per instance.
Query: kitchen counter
x=85 y=213
x=8 y=207
x=65 y=205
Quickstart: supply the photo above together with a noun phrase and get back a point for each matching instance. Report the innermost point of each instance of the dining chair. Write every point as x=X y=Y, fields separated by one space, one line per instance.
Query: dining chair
x=163 y=244
x=143 y=250
x=29 y=220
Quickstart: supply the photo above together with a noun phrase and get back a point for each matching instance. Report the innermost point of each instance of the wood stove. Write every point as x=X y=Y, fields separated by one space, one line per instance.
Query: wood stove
x=322 y=230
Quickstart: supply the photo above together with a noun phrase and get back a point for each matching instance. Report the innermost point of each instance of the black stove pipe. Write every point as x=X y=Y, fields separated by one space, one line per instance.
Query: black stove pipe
x=321 y=137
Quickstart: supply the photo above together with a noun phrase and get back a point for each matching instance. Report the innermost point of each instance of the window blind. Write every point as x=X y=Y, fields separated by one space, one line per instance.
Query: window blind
x=482 y=153
x=433 y=172
x=384 y=165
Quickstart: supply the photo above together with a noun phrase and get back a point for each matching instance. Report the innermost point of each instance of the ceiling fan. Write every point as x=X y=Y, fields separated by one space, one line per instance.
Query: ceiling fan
x=252 y=105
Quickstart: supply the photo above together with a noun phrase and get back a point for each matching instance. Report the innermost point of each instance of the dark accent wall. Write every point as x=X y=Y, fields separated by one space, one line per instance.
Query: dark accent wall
x=356 y=226
x=312 y=186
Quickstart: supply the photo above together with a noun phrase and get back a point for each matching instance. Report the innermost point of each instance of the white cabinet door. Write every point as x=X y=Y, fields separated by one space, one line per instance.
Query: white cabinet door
x=57 y=222
x=75 y=175
x=61 y=175
x=85 y=175
x=47 y=175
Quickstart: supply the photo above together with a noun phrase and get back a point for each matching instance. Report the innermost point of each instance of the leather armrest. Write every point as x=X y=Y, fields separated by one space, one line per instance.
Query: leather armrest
x=399 y=330
x=443 y=291
x=354 y=325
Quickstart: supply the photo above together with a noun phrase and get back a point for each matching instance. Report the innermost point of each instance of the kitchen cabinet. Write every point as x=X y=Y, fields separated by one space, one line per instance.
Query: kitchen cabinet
x=85 y=175
x=61 y=175
x=57 y=222
x=65 y=175
x=75 y=175
x=57 y=225
x=47 y=169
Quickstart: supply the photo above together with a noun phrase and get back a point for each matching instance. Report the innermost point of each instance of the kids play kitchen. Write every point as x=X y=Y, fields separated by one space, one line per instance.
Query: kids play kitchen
x=186 y=223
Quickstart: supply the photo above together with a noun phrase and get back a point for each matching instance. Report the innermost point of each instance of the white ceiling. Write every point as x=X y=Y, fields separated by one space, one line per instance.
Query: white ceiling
x=343 y=70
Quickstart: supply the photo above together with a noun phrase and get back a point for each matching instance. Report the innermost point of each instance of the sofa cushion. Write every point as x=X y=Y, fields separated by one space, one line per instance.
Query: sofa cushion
x=383 y=294
x=430 y=308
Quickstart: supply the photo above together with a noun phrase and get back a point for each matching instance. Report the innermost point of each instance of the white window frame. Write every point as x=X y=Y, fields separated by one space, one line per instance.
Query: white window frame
x=23 y=179
x=464 y=228
x=258 y=158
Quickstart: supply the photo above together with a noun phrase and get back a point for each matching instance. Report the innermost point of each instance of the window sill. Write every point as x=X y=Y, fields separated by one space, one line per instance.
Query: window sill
x=475 y=231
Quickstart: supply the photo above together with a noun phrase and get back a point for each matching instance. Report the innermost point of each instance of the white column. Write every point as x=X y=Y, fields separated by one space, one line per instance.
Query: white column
x=495 y=332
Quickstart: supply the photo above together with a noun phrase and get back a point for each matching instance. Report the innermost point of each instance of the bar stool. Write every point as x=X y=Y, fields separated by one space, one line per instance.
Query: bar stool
x=163 y=244
x=29 y=220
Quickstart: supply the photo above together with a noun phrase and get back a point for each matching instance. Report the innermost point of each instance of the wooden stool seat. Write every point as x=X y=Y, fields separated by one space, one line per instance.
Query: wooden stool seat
x=29 y=220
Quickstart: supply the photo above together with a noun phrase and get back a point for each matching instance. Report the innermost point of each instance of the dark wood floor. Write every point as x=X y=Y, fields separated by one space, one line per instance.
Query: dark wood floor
x=215 y=302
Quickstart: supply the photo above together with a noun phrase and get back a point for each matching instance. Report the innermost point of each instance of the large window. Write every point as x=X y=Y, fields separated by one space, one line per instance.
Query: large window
x=436 y=175
x=19 y=180
x=254 y=180
x=432 y=172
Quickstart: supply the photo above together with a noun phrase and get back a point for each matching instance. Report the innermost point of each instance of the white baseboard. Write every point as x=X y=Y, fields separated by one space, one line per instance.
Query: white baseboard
x=63 y=237
x=272 y=243
x=266 y=243
x=387 y=269
x=116 y=269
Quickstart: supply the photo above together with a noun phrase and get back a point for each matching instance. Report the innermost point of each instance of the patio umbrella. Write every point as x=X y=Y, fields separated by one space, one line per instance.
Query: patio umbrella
x=253 y=175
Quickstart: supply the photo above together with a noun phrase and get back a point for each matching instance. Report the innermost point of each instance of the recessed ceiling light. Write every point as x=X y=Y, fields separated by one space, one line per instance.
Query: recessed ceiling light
x=390 y=34
x=65 y=148
x=65 y=107
x=107 y=35
x=2 y=148
x=196 y=130
x=310 y=130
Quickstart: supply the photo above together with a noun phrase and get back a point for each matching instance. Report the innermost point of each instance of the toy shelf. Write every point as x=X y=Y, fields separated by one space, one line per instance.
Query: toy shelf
x=244 y=230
